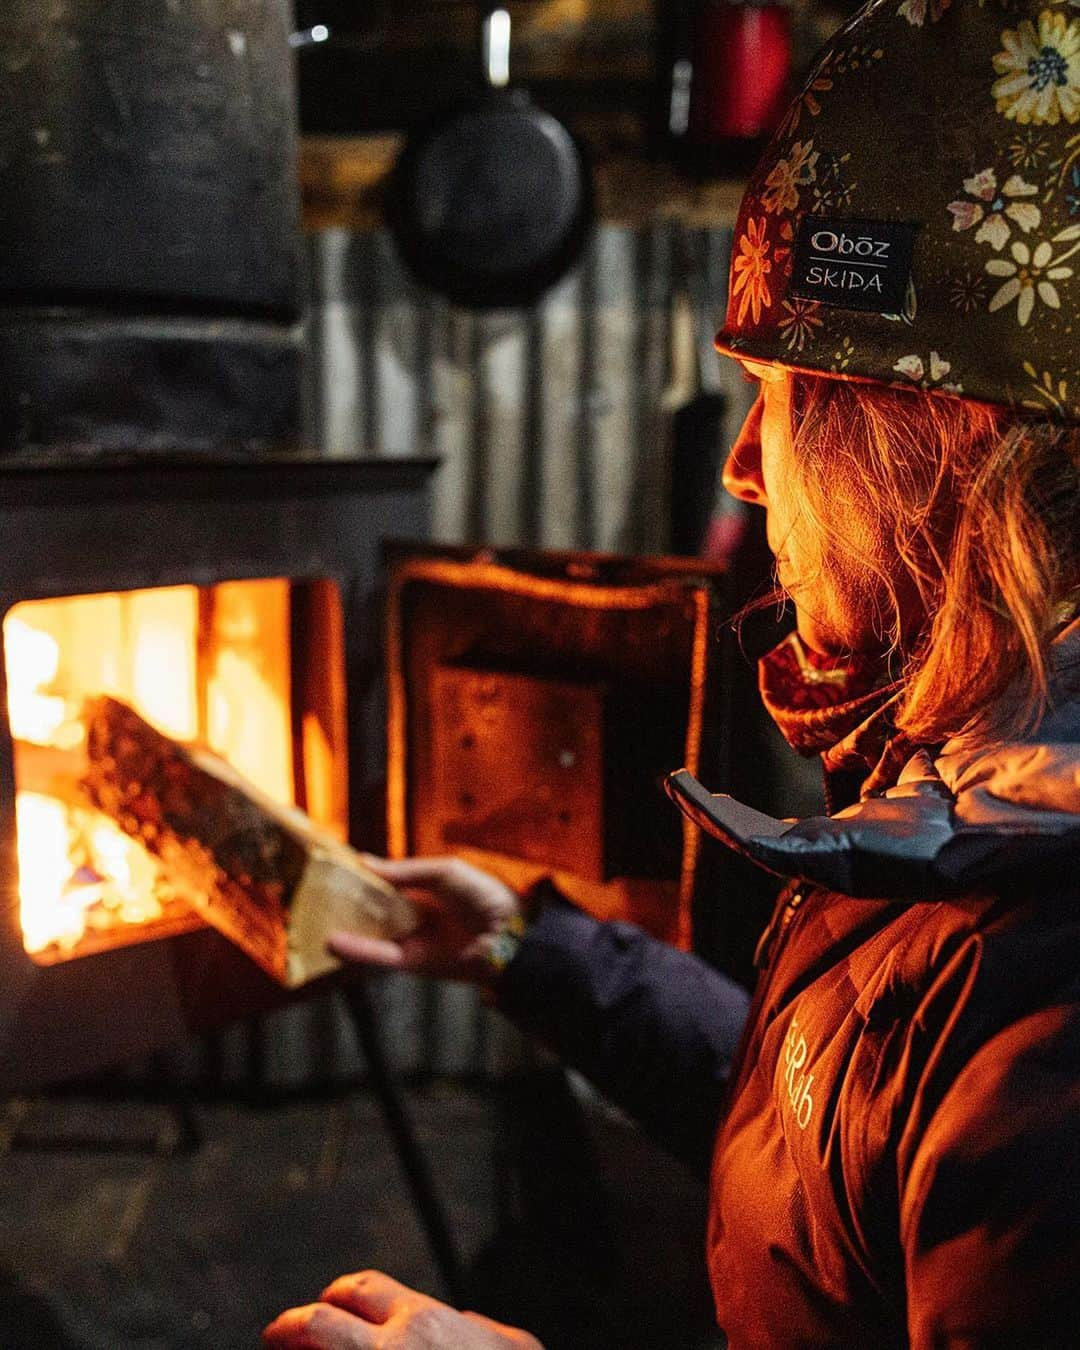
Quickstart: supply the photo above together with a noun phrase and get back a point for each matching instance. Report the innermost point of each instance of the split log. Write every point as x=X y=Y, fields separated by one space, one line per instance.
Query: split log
x=263 y=874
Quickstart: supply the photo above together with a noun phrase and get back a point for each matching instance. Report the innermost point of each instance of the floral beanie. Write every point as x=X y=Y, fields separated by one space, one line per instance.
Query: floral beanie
x=916 y=219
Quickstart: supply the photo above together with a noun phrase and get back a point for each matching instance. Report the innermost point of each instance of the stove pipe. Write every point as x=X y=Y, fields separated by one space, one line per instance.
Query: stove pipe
x=149 y=227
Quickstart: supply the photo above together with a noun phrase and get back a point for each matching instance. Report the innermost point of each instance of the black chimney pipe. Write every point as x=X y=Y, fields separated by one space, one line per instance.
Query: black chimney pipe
x=149 y=227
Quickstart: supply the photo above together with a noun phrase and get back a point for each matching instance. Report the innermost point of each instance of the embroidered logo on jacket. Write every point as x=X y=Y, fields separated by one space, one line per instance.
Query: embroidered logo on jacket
x=797 y=1082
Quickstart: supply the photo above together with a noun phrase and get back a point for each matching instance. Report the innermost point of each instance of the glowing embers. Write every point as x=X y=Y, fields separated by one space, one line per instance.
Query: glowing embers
x=207 y=664
x=84 y=885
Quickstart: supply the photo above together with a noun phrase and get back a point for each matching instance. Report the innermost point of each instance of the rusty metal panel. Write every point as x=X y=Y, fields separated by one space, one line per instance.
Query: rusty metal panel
x=536 y=700
x=518 y=767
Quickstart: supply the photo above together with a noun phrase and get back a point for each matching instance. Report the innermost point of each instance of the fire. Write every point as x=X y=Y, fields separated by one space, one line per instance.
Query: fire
x=44 y=871
x=209 y=664
x=78 y=871
x=32 y=659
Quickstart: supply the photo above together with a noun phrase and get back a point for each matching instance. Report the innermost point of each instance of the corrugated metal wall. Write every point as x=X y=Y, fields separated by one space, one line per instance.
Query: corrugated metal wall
x=552 y=425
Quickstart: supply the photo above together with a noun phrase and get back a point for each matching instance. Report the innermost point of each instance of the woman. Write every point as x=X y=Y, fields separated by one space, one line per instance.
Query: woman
x=895 y=1159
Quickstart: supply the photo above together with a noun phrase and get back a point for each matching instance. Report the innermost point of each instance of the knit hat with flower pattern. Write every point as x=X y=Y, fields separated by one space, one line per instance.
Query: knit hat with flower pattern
x=916 y=219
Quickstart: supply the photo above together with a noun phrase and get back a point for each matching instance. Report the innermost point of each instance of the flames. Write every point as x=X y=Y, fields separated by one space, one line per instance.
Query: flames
x=77 y=873
x=208 y=664
x=32 y=659
x=77 y=870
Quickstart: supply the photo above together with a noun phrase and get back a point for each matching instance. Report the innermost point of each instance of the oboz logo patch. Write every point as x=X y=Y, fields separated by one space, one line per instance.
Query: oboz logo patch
x=853 y=264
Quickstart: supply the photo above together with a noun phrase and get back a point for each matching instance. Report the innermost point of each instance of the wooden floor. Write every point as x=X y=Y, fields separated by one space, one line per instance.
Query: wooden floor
x=567 y=1221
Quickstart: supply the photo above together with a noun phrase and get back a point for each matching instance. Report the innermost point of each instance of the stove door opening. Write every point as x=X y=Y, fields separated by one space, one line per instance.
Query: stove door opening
x=252 y=670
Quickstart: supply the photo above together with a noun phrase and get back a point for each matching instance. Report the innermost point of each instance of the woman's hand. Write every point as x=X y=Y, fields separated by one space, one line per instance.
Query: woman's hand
x=462 y=912
x=370 y=1311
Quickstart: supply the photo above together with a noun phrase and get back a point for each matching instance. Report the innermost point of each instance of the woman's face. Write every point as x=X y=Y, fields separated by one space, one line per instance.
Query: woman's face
x=835 y=604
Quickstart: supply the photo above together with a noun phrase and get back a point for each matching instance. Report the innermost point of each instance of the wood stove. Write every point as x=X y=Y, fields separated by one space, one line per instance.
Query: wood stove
x=230 y=601
x=165 y=542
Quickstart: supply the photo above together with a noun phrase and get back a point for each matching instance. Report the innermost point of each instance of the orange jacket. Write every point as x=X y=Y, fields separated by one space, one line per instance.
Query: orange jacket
x=899 y=1163
x=898 y=1159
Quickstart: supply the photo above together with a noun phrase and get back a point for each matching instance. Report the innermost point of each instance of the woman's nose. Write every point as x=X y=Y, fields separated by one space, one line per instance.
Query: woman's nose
x=742 y=468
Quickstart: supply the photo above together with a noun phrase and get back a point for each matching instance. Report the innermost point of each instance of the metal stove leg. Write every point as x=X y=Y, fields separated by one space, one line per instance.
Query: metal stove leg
x=412 y=1158
x=188 y=1132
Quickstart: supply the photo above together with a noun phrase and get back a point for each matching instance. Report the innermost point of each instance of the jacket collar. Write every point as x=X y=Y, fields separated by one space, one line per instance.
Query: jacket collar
x=930 y=821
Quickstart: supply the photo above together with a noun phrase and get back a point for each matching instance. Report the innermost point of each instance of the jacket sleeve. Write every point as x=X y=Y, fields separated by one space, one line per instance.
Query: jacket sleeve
x=989 y=1208
x=654 y=1028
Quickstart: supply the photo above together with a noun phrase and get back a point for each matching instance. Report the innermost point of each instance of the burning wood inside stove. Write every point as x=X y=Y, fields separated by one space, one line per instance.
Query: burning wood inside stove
x=261 y=873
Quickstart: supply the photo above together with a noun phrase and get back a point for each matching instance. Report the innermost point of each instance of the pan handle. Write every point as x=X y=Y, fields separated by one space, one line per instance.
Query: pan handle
x=310 y=37
x=495 y=44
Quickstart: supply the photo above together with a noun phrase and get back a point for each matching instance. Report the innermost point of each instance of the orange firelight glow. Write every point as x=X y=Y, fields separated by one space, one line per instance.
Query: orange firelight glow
x=207 y=664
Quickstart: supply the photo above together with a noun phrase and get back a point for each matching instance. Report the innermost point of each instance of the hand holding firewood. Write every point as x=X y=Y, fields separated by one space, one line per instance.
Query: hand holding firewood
x=462 y=911
x=292 y=896
x=370 y=1311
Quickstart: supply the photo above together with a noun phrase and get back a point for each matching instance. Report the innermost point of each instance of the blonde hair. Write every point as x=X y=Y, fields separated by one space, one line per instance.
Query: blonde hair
x=979 y=507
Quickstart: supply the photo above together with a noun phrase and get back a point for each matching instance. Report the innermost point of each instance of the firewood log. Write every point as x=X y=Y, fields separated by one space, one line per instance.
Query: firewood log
x=265 y=875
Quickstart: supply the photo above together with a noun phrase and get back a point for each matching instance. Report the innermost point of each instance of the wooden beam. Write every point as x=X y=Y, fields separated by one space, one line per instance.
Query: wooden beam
x=549 y=39
x=343 y=181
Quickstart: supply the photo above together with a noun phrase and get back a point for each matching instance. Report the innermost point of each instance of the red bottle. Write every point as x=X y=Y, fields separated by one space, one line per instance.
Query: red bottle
x=734 y=83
